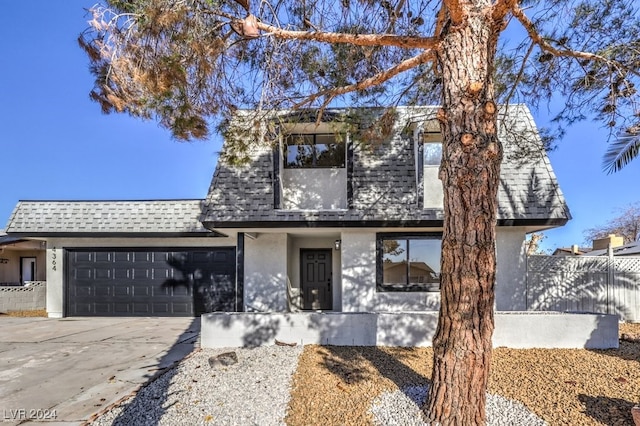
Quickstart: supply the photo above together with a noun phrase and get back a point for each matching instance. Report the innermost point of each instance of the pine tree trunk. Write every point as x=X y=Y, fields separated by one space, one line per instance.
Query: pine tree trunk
x=470 y=176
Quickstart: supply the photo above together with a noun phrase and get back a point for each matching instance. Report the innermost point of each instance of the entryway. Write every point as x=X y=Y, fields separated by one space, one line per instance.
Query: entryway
x=315 y=279
x=27 y=269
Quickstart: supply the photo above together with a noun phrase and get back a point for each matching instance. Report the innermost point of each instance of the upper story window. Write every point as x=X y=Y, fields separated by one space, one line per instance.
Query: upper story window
x=431 y=144
x=304 y=151
x=432 y=149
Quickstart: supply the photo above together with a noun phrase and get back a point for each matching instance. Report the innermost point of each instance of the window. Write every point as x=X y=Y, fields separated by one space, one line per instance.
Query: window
x=432 y=152
x=432 y=195
x=408 y=262
x=314 y=151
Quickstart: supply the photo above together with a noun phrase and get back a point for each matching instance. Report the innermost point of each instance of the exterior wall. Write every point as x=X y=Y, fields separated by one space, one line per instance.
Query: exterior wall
x=314 y=189
x=28 y=298
x=293 y=267
x=359 y=276
x=265 y=273
x=272 y=270
x=359 y=280
x=513 y=330
x=511 y=286
x=55 y=258
x=433 y=194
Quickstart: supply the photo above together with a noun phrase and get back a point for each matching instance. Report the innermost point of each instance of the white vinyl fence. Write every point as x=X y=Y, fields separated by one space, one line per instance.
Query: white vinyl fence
x=599 y=284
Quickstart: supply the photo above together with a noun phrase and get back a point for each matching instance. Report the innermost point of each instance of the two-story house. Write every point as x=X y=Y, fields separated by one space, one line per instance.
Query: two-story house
x=320 y=218
x=327 y=221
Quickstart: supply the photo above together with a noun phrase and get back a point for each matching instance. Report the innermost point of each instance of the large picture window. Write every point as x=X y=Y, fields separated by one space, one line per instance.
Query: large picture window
x=314 y=151
x=408 y=262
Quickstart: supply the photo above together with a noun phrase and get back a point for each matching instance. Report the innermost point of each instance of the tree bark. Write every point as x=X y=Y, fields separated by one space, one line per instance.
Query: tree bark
x=470 y=172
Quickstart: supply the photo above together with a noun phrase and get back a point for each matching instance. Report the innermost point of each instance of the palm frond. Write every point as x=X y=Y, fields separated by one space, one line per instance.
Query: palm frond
x=621 y=152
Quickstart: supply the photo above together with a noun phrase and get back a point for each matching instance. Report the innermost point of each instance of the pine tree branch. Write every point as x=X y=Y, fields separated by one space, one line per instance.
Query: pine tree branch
x=407 y=42
x=441 y=21
x=529 y=26
x=355 y=39
x=501 y=8
x=518 y=78
x=374 y=80
x=456 y=11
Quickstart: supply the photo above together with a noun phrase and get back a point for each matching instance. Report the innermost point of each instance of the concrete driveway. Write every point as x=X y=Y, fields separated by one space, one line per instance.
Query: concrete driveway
x=66 y=370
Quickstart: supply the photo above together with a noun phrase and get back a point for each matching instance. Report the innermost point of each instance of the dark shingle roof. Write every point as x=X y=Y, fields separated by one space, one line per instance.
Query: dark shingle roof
x=107 y=217
x=385 y=189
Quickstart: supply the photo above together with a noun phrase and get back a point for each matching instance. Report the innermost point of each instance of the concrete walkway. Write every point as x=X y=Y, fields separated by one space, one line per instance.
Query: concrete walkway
x=63 y=371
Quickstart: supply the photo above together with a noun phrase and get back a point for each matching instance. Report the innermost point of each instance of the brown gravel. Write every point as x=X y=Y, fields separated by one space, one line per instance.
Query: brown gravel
x=36 y=313
x=336 y=385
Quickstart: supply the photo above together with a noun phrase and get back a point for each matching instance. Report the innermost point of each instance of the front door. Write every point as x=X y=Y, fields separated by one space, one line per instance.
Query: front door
x=315 y=280
x=27 y=269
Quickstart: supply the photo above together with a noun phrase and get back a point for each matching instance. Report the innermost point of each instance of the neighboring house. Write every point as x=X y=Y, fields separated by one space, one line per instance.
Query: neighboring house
x=21 y=261
x=630 y=249
x=600 y=247
x=574 y=250
x=323 y=220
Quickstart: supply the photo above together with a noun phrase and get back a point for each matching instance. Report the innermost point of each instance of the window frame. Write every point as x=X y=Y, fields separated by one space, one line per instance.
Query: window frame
x=407 y=286
x=314 y=137
x=424 y=140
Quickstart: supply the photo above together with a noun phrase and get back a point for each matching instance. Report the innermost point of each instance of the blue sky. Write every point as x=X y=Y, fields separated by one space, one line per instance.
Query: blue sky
x=56 y=144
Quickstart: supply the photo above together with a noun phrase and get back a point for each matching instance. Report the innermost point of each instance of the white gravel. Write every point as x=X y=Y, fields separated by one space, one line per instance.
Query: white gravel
x=255 y=391
x=402 y=408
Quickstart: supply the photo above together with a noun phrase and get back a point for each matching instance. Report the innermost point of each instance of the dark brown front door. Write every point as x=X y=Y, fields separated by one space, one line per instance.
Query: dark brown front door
x=315 y=280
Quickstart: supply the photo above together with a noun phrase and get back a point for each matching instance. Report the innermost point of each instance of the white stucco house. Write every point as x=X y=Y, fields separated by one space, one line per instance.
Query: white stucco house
x=320 y=221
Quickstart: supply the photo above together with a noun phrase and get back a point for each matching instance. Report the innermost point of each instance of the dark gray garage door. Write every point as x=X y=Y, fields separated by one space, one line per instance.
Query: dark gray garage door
x=150 y=282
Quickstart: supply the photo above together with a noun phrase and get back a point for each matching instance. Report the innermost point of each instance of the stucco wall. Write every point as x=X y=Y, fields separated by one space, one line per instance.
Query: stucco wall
x=433 y=194
x=359 y=276
x=513 y=330
x=55 y=258
x=272 y=260
x=511 y=270
x=265 y=273
x=318 y=189
x=359 y=280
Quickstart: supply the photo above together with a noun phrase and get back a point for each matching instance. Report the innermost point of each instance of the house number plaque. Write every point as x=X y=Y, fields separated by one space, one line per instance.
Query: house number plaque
x=54 y=258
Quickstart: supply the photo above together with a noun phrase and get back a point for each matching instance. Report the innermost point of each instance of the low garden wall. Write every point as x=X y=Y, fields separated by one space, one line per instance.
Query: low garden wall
x=512 y=329
x=30 y=297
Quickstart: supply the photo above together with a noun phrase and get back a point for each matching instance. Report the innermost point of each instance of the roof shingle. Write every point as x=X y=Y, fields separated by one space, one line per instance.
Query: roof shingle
x=107 y=217
x=385 y=187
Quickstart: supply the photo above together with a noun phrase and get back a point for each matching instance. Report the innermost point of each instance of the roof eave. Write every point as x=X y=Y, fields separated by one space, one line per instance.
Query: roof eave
x=119 y=234
x=213 y=224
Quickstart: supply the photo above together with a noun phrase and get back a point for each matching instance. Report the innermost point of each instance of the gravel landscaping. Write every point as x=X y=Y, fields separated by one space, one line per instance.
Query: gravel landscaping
x=25 y=314
x=206 y=389
x=329 y=385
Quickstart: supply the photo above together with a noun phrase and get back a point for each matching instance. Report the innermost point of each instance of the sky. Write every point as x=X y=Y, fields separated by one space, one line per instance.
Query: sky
x=55 y=144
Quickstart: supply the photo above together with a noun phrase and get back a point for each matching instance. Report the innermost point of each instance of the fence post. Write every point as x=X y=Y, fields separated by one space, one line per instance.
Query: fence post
x=526 y=281
x=610 y=274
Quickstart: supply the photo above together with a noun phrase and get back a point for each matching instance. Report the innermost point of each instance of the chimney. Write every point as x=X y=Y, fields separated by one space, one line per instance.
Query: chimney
x=603 y=243
x=574 y=250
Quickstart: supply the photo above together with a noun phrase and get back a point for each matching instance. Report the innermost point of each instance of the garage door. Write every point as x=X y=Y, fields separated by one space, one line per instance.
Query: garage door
x=150 y=282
